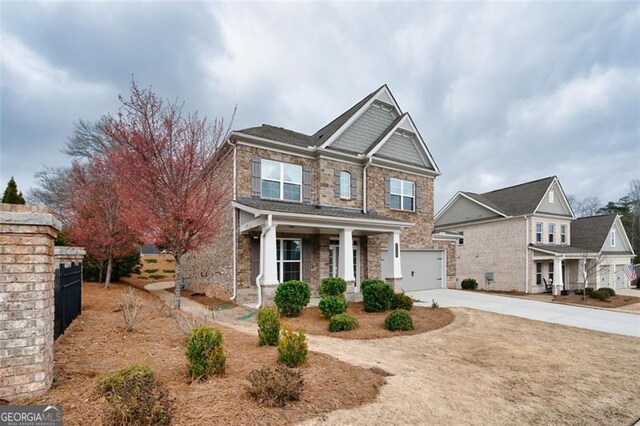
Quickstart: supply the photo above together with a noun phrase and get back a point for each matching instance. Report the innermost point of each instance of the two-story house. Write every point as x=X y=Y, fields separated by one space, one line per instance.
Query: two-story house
x=354 y=200
x=525 y=236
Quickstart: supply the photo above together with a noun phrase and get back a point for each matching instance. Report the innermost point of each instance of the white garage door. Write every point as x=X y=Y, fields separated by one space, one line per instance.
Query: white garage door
x=421 y=269
x=621 y=278
x=605 y=278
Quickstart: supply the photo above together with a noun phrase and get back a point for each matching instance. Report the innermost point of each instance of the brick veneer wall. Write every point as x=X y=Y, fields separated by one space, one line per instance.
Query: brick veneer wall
x=26 y=299
x=67 y=255
x=450 y=248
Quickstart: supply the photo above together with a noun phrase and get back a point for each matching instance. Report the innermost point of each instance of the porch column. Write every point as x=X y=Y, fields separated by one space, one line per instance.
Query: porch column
x=557 y=276
x=583 y=273
x=394 y=261
x=345 y=262
x=270 y=271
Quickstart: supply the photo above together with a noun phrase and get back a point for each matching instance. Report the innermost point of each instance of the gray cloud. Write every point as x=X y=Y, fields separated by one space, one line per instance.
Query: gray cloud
x=502 y=93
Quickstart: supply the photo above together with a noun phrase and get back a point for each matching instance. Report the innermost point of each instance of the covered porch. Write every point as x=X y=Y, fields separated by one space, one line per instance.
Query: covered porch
x=563 y=268
x=280 y=241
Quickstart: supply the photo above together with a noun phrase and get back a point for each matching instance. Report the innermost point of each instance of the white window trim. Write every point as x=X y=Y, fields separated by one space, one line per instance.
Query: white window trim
x=402 y=194
x=539 y=274
x=551 y=197
x=281 y=181
x=348 y=186
x=551 y=232
x=563 y=234
x=551 y=272
x=612 y=238
x=541 y=231
x=281 y=262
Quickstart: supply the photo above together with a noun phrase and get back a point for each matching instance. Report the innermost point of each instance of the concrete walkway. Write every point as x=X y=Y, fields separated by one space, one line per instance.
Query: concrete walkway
x=592 y=319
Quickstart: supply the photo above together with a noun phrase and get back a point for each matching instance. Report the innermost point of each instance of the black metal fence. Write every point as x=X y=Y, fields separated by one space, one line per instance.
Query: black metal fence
x=67 y=296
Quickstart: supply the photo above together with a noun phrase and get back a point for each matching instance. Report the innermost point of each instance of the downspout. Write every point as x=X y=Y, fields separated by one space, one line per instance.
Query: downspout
x=526 y=255
x=235 y=226
x=364 y=185
x=265 y=229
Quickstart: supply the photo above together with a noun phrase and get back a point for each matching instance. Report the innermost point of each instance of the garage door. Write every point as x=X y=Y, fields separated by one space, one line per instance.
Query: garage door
x=605 y=279
x=621 y=278
x=421 y=269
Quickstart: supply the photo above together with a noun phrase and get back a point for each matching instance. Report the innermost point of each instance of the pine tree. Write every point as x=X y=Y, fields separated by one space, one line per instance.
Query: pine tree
x=11 y=194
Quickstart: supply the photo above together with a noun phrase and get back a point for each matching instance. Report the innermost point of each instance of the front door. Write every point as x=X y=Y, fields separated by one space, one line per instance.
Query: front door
x=334 y=253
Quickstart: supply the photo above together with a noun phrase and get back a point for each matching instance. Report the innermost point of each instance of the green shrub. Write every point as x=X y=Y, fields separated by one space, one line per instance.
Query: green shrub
x=122 y=267
x=398 y=320
x=169 y=271
x=600 y=295
x=151 y=260
x=332 y=305
x=268 y=327
x=434 y=304
x=333 y=286
x=578 y=291
x=611 y=292
x=292 y=347
x=343 y=322
x=205 y=353
x=589 y=291
x=157 y=276
x=368 y=282
x=377 y=297
x=135 y=397
x=469 y=284
x=291 y=297
x=150 y=271
x=274 y=388
x=401 y=301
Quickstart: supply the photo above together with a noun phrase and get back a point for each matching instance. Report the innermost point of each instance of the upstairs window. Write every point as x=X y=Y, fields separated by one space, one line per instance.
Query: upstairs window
x=552 y=232
x=345 y=185
x=551 y=196
x=281 y=181
x=563 y=234
x=613 y=238
x=539 y=232
x=402 y=194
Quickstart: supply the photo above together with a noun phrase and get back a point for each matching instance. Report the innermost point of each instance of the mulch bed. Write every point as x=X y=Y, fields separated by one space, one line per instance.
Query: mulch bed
x=371 y=323
x=612 y=302
x=96 y=344
x=212 y=302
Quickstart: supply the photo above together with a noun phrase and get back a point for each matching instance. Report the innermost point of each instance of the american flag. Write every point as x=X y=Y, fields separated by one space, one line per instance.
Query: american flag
x=630 y=272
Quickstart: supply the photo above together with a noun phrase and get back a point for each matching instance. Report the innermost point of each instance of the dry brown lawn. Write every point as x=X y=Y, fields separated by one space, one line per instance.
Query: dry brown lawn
x=164 y=262
x=612 y=302
x=371 y=323
x=490 y=369
x=96 y=344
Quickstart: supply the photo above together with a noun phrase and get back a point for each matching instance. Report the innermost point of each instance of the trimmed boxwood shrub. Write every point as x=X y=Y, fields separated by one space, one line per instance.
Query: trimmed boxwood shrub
x=291 y=297
x=377 y=297
x=332 y=286
x=292 y=348
x=600 y=295
x=469 y=284
x=611 y=292
x=578 y=292
x=332 y=305
x=398 y=320
x=205 y=353
x=343 y=322
x=268 y=327
x=589 y=291
x=402 y=301
x=369 y=281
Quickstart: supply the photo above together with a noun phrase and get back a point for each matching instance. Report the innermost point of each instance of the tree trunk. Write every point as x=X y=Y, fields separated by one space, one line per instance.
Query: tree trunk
x=178 y=287
x=100 y=272
x=107 y=279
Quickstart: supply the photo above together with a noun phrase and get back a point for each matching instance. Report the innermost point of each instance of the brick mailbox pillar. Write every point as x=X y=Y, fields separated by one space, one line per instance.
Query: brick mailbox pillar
x=67 y=256
x=27 y=234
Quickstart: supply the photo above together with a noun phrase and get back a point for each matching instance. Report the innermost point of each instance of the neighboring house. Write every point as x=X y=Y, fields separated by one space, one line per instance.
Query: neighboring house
x=328 y=204
x=525 y=235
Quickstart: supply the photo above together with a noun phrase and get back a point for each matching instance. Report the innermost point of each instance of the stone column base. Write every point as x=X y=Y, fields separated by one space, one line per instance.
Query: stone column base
x=395 y=283
x=268 y=292
x=349 y=295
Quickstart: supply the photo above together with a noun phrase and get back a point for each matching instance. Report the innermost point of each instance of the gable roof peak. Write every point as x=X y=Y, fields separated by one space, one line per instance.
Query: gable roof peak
x=548 y=178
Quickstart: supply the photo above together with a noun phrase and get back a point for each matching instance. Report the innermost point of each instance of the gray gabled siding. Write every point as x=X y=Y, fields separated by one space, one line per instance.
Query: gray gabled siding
x=557 y=207
x=365 y=130
x=463 y=211
x=403 y=149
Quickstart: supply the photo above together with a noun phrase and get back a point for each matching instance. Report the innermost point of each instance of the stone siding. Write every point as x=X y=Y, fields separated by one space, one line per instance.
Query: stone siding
x=326 y=183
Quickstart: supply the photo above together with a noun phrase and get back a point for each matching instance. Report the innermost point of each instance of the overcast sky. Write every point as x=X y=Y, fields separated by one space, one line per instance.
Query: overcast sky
x=502 y=93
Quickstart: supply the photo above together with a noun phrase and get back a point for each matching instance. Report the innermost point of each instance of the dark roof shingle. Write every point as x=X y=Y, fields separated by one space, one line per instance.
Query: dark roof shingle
x=591 y=232
x=515 y=200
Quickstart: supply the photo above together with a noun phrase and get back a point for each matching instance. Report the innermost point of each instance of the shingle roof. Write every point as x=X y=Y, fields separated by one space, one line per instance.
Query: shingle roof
x=311 y=209
x=591 y=232
x=280 y=134
x=515 y=200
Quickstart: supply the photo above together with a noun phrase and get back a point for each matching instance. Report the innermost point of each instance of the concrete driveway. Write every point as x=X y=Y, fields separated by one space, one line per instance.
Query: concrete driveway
x=592 y=319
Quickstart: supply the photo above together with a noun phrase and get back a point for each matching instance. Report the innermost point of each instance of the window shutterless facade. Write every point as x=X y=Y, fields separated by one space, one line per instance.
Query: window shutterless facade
x=403 y=194
x=289 y=259
x=538 y=232
x=345 y=185
x=538 y=273
x=552 y=232
x=563 y=234
x=281 y=181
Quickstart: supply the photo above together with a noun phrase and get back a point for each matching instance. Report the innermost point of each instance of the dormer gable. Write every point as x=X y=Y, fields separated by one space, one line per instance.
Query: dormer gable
x=554 y=201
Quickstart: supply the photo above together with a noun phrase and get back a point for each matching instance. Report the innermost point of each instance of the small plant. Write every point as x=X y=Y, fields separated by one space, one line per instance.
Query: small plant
x=157 y=276
x=169 y=271
x=402 y=301
x=332 y=305
x=268 y=327
x=343 y=322
x=398 y=320
x=334 y=286
x=600 y=295
x=292 y=348
x=130 y=305
x=370 y=281
x=434 y=304
x=291 y=297
x=377 y=297
x=151 y=260
x=205 y=353
x=275 y=388
x=135 y=397
x=589 y=291
x=611 y=292
x=469 y=284
x=150 y=271
x=578 y=291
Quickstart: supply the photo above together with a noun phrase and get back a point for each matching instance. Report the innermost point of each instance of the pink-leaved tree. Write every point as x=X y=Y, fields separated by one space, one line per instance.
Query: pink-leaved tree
x=169 y=173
